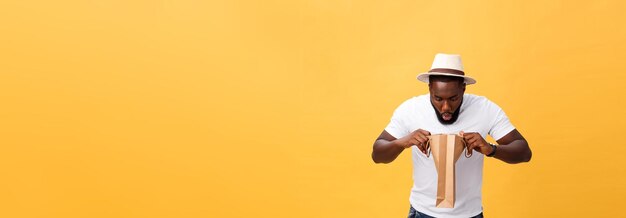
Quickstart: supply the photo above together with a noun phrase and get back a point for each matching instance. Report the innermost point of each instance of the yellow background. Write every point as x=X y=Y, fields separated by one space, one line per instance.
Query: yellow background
x=270 y=108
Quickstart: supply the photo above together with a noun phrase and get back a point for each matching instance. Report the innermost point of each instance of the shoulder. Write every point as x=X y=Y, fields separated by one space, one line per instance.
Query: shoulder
x=479 y=101
x=480 y=106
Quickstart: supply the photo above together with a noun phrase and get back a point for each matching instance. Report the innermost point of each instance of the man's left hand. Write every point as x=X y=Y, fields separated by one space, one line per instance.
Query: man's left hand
x=476 y=142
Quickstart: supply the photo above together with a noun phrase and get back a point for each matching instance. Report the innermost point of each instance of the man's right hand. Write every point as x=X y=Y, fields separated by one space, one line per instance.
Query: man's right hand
x=418 y=138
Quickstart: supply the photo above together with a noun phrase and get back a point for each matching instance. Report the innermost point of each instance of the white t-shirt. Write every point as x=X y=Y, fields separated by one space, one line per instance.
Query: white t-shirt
x=478 y=114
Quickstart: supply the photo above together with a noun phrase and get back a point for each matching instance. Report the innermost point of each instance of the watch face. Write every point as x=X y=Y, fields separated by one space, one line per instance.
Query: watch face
x=493 y=152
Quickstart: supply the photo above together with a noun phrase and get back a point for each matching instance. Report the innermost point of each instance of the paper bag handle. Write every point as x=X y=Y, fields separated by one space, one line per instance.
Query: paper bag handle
x=428 y=147
x=468 y=152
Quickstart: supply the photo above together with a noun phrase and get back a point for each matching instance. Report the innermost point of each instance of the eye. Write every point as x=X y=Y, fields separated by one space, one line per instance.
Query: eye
x=438 y=99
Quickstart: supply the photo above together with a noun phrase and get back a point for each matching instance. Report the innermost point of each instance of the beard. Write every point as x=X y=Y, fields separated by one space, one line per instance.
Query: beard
x=455 y=115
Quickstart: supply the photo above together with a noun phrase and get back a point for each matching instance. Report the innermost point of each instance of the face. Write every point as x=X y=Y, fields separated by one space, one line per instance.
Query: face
x=446 y=98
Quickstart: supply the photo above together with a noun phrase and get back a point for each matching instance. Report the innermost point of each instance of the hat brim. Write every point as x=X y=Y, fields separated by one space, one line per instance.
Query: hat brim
x=424 y=77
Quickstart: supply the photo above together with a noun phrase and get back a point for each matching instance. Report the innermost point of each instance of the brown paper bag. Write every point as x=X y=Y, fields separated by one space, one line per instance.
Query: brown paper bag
x=446 y=150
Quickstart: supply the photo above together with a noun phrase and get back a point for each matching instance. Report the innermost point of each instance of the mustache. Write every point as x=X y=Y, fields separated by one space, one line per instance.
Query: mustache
x=455 y=114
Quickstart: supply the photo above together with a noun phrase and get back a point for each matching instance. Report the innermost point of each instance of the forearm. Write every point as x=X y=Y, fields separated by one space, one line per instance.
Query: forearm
x=517 y=151
x=386 y=151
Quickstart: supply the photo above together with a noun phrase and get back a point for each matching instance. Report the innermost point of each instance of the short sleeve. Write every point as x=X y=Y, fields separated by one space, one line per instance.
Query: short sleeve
x=501 y=125
x=397 y=125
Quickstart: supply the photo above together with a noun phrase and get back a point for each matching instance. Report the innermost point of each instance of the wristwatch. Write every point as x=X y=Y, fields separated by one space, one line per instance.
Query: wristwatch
x=493 y=152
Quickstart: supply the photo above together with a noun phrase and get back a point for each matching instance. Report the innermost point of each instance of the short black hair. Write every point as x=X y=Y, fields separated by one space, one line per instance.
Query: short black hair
x=442 y=78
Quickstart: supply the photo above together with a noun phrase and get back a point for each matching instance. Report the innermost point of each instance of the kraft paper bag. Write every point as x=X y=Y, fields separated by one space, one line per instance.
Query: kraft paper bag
x=446 y=150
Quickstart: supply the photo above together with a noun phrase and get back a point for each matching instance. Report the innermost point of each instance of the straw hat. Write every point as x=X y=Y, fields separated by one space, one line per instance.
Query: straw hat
x=446 y=65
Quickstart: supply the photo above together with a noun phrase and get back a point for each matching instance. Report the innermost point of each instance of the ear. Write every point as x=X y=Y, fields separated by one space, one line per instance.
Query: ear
x=464 y=87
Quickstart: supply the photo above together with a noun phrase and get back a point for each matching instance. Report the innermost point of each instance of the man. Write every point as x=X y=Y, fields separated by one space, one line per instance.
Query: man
x=448 y=110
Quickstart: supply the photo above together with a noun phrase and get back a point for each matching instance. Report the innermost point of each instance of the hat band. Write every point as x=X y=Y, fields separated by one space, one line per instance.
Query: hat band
x=447 y=70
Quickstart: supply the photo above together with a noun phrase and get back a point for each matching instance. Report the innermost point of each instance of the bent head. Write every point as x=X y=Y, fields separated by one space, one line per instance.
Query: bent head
x=446 y=96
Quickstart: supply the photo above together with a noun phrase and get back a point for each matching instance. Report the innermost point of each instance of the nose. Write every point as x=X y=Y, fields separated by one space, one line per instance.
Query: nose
x=445 y=107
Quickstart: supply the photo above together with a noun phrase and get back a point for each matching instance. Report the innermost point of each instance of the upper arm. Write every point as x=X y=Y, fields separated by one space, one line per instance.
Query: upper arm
x=519 y=150
x=511 y=137
x=386 y=136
